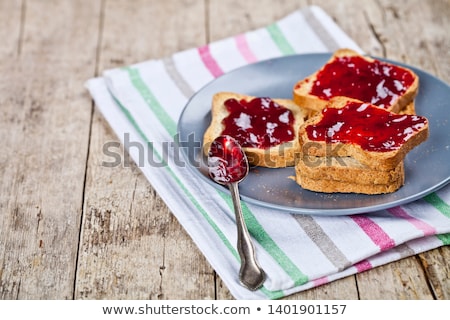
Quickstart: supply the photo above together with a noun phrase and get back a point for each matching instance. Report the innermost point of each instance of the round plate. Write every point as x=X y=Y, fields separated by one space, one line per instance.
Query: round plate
x=427 y=167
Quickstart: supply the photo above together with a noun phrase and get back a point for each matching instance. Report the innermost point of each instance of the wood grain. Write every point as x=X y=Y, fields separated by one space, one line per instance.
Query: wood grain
x=131 y=245
x=45 y=132
x=11 y=27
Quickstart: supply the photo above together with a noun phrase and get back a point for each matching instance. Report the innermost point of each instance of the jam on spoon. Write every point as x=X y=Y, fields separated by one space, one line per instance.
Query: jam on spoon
x=226 y=160
x=228 y=165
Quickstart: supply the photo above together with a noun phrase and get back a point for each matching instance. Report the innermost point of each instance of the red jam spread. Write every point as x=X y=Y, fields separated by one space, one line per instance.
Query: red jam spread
x=376 y=82
x=374 y=129
x=227 y=162
x=259 y=123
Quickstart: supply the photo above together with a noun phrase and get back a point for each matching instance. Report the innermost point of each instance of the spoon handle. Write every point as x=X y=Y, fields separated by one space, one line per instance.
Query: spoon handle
x=251 y=275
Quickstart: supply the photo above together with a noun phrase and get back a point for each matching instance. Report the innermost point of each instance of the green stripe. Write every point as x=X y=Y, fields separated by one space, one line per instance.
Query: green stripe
x=444 y=208
x=279 y=39
x=151 y=101
x=269 y=245
x=438 y=203
x=272 y=294
x=445 y=238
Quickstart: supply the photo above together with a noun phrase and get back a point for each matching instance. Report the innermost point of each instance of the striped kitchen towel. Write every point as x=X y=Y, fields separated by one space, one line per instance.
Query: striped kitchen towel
x=142 y=103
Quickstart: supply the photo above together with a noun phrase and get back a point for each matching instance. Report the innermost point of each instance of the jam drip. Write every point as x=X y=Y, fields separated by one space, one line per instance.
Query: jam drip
x=376 y=82
x=258 y=123
x=373 y=128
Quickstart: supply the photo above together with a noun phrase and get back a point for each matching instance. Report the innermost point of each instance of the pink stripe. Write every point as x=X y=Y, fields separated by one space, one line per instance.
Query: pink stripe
x=363 y=266
x=423 y=226
x=320 y=281
x=375 y=233
x=244 y=49
x=209 y=61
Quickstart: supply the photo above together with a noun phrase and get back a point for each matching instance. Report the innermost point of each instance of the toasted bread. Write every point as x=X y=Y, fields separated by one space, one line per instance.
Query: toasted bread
x=274 y=156
x=333 y=186
x=373 y=136
x=352 y=75
x=409 y=109
x=346 y=169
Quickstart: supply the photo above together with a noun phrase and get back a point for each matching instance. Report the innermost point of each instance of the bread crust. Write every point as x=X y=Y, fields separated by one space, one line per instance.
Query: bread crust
x=333 y=186
x=303 y=97
x=346 y=169
x=282 y=155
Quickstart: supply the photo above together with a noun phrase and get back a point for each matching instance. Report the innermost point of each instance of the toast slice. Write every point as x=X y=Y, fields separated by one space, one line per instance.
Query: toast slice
x=371 y=135
x=333 y=186
x=346 y=169
x=349 y=74
x=409 y=109
x=346 y=175
x=267 y=129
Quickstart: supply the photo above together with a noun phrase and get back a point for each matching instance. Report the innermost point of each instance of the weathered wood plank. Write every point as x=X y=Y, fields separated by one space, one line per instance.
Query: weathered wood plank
x=402 y=279
x=131 y=245
x=45 y=130
x=354 y=18
x=231 y=17
x=343 y=289
x=11 y=13
x=436 y=264
x=425 y=46
x=10 y=26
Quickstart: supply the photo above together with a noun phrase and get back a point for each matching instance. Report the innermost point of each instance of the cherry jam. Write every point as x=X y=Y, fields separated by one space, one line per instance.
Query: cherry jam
x=373 y=128
x=376 y=82
x=259 y=123
x=226 y=161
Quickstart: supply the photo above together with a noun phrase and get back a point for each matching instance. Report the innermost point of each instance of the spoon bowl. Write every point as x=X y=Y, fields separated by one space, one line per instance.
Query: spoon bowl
x=228 y=165
x=227 y=161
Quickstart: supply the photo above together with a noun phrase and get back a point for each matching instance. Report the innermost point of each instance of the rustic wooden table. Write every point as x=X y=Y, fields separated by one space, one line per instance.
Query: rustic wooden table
x=73 y=229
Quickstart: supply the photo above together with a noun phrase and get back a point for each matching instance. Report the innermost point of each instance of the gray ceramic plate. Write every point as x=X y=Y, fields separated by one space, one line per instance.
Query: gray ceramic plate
x=427 y=167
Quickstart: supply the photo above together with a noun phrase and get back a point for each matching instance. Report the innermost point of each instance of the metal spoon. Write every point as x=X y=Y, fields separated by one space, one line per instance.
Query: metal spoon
x=228 y=165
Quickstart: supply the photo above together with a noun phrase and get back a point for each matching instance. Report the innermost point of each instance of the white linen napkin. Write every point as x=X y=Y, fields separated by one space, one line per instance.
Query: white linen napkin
x=143 y=102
